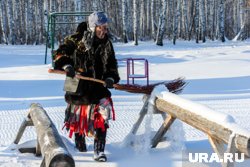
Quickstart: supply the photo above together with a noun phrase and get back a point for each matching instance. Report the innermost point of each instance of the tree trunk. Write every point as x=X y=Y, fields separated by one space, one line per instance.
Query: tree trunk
x=148 y=18
x=161 y=25
x=135 y=19
x=2 y=30
x=22 y=17
x=83 y=6
x=185 y=19
x=142 y=19
x=222 y=20
x=40 y=22
x=192 y=20
x=241 y=35
x=94 y=3
x=1 y=27
x=153 y=20
x=211 y=19
x=176 y=20
x=124 y=20
x=203 y=20
x=28 y=18
x=52 y=5
x=197 y=25
x=33 y=21
x=18 y=28
x=12 y=37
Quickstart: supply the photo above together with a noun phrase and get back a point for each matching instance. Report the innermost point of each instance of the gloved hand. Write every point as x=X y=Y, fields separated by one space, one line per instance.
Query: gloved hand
x=67 y=48
x=109 y=82
x=70 y=72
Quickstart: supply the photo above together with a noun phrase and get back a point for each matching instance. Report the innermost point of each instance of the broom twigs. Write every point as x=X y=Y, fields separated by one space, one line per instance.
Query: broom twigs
x=175 y=86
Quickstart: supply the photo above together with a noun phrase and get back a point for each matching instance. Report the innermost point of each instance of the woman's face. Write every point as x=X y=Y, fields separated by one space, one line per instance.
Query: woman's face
x=101 y=31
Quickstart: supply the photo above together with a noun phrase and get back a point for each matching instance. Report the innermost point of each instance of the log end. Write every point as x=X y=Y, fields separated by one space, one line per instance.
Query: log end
x=34 y=105
x=247 y=152
x=62 y=160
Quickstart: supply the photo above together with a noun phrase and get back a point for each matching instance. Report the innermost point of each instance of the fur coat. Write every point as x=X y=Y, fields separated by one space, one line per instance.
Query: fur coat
x=91 y=57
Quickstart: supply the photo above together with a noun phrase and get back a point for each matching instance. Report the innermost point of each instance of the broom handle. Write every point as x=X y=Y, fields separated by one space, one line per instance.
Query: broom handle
x=81 y=77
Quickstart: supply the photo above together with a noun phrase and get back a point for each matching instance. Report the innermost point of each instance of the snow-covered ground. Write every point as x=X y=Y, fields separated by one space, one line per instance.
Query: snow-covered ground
x=218 y=76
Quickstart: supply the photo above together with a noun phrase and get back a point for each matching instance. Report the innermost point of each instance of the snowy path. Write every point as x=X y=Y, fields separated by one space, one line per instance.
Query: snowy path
x=127 y=110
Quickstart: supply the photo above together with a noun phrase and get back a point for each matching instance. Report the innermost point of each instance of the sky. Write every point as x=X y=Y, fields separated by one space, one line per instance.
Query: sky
x=218 y=80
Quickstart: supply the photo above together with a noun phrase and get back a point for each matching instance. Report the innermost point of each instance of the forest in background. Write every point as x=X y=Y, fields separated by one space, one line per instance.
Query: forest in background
x=25 y=21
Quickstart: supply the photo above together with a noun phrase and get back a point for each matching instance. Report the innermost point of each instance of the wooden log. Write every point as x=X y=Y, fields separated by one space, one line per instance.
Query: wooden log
x=217 y=145
x=163 y=129
x=26 y=122
x=38 y=149
x=52 y=147
x=210 y=127
x=143 y=112
x=231 y=148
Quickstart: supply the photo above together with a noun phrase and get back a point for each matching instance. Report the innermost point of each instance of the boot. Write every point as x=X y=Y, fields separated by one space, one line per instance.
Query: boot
x=80 y=142
x=99 y=147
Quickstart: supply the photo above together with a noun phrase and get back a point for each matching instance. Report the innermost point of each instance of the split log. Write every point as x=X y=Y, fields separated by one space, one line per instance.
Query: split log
x=210 y=127
x=26 y=122
x=52 y=147
x=163 y=129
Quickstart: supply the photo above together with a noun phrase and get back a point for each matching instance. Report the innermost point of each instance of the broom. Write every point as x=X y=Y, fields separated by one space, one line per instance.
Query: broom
x=174 y=86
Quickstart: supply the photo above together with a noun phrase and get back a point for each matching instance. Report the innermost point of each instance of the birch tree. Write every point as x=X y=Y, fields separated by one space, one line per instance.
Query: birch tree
x=197 y=25
x=221 y=21
x=22 y=17
x=130 y=20
x=142 y=18
x=161 y=25
x=242 y=21
x=169 y=22
x=211 y=19
x=192 y=19
x=17 y=12
x=52 y=5
x=185 y=18
x=176 y=20
x=40 y=25
x=199 y=19
x=1 y=26
x=135 y=19
x=202 y=20
x=2 y=29
x=83 y=6
x=28 y=23
x=235 y=16
x=148 y=17
x=94 y=3
x=153 y=20
x=32 y=11
x=12 y=37
x=124 y=20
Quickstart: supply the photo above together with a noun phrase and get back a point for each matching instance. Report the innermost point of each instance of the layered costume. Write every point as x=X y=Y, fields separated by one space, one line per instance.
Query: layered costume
x=89 y=103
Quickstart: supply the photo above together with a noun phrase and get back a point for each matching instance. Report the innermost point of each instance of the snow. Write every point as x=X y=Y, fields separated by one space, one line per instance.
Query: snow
x=218 y=77
x=198 y=109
